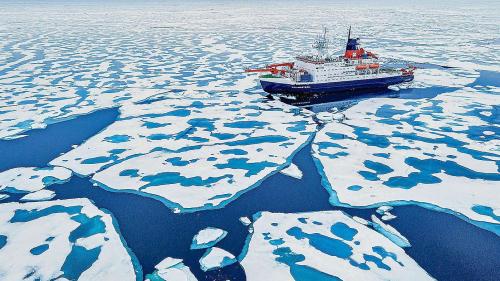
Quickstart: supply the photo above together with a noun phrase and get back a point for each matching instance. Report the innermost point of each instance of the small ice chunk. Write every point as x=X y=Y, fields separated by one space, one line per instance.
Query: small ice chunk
x=245 y=221
x=390 y=232
x=393 y=88
x=382 y=209
x=207 y=238
x=216 y=258
x=388 y=216
x=41 y=195
x=292 y=171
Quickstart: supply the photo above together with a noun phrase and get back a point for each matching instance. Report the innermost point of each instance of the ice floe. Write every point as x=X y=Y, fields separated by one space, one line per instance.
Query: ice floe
x=385 y=212
x=292 y=171
x=171 y=269
x=388 y=216
x=67 y=239
x=245 y=221
x=208 y=237
x=193 y=153
x=31 y=179
x=325 y=245
x=40 y=195
x=215 y=258
x=430 y=152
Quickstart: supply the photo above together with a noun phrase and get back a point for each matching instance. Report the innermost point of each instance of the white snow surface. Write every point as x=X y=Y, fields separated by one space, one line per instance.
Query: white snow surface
x=292 y=171
x=31 y=179
x=40 y=195
x=193 y=153
x=286 y=244
x=427 y=151
x=171 y=269
x=216 y=258
x=245 y=221
x=208 y=237
x=50 y=225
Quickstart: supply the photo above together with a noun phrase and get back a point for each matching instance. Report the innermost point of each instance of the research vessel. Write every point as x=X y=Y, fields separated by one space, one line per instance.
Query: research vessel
x=321 y=73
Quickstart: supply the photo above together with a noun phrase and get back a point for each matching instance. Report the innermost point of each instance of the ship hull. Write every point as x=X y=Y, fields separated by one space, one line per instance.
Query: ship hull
x=376 y=84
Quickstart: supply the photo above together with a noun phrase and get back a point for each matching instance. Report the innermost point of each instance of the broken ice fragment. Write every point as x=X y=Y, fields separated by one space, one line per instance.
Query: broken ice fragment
x=293 y=171
x=216 y=258
x=208 y=237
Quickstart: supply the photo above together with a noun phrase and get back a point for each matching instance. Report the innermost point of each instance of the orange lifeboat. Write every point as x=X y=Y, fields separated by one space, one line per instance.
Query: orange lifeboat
x=374 y=65
x=361 y=67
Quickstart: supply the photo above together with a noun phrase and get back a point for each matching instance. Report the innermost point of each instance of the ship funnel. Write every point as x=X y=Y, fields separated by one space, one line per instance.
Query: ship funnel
x=352 y=49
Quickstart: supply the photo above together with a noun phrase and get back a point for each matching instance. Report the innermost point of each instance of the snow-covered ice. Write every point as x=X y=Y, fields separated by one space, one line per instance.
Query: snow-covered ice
x=193 y=153
x=215 y=258
x=69 y=239
x=245 y=221
x=293 y=171
x=171 y=269
x=40 y=195
x=384 y=211
x=31 y=179
x=388 y=216
x=390 y=232
x=430 y=152
x=326 y=245
x=208 y=237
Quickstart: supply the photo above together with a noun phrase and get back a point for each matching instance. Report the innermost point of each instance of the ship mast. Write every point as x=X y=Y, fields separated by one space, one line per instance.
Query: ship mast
x=321 y=44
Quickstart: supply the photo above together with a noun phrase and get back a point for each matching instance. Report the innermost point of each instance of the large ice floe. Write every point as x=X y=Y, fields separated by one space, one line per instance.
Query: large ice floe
x=325 y=245
x=434 y=152
x=62 y=239
x=193 y=153
x=31 y=179
x=208 y=237
x=171 y=269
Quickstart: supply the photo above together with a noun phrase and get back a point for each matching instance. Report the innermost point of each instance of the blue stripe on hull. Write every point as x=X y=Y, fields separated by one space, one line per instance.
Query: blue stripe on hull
x=334 y=87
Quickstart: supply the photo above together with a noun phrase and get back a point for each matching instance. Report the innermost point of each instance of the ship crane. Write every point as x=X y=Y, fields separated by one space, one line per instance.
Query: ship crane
x=274 y=68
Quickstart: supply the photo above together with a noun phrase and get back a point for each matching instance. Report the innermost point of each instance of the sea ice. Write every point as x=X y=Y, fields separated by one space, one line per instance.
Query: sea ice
x=390 y=232
x=31 y=179
x=383 y=209
x=67 y=239
x=245 y=221
x=208 y=237
x=326 y=245
x=388 y=216
x=193 y=153
x=292 y=171
x=40 y=195
x=430 y=152
x=385 y=212
x=216 y=258
x=171 y=269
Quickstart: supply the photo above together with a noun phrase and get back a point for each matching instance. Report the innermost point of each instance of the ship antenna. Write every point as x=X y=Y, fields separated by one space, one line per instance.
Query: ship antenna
x=349 y=34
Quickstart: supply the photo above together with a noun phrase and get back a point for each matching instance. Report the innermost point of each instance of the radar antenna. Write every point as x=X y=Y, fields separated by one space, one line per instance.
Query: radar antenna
x=321 y=44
